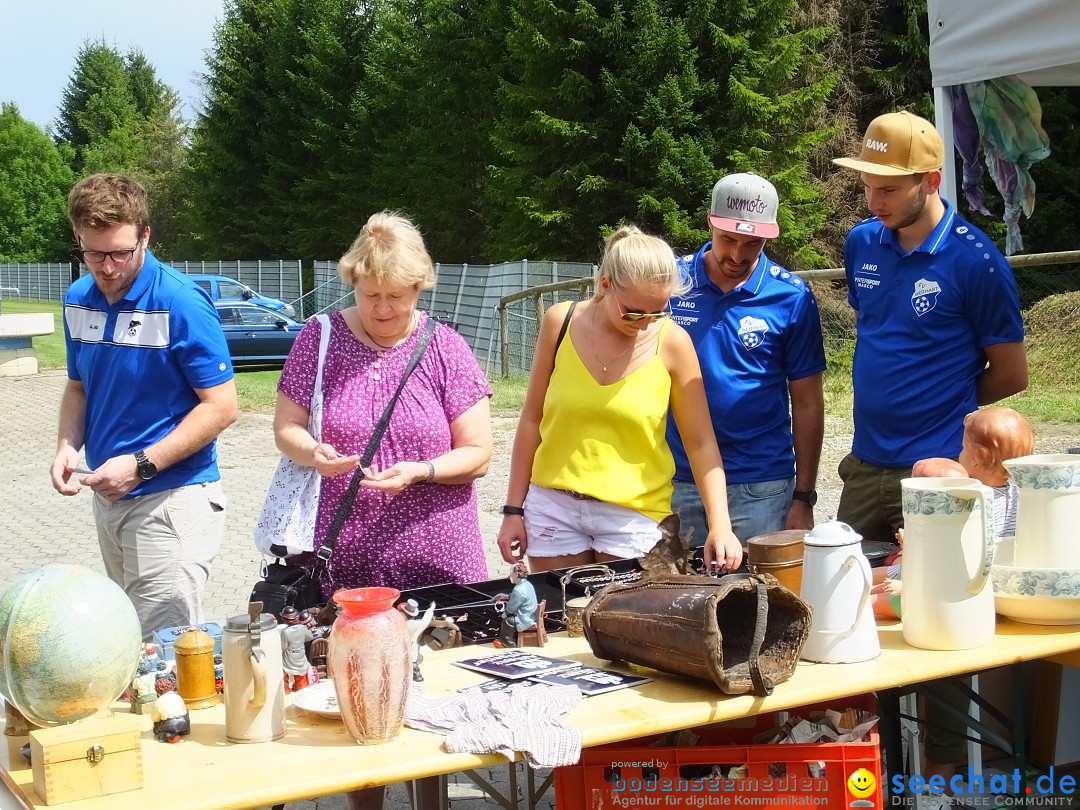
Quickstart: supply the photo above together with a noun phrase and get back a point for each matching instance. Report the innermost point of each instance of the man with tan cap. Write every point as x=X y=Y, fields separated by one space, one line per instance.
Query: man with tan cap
x=938 y=317
x=757 y=332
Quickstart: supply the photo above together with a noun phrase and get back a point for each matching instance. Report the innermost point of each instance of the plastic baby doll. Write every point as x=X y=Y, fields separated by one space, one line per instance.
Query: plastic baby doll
x=991 y=435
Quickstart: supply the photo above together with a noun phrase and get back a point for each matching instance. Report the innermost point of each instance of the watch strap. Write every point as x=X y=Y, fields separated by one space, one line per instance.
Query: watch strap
x=805 y=495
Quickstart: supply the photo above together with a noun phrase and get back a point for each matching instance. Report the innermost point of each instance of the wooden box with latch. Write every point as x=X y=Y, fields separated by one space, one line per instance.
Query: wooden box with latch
x=94 y=757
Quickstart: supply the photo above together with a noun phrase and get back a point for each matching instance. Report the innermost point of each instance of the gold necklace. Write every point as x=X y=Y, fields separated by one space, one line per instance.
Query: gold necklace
x=592 y=345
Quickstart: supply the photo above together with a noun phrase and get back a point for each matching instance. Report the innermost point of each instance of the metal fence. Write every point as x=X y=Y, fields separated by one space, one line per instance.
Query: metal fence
x=1049 y=287
x=276 y=278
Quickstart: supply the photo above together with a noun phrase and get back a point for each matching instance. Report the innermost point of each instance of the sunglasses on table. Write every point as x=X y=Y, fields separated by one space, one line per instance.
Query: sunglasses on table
x=633 y=315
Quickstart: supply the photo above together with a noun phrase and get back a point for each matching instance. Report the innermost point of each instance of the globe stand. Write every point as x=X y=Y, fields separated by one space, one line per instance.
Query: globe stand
x=16 y=724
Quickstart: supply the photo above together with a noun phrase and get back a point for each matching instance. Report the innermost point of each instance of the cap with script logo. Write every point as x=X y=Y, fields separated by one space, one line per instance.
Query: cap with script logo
x=897 y=144
x=746 y=204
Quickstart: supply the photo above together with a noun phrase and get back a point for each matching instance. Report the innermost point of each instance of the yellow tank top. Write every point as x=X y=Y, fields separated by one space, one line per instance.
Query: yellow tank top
x=608 y=441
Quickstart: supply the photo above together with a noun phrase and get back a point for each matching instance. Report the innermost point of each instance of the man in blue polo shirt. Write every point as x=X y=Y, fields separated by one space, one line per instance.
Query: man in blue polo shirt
x=150 y=387
x=757 y=333
x=938 y=318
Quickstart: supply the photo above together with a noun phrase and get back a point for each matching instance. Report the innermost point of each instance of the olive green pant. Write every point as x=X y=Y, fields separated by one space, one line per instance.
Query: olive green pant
x=870 y=502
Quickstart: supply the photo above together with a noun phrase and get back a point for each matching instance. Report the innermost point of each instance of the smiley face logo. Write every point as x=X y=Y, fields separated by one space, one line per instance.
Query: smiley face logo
x=861 y=784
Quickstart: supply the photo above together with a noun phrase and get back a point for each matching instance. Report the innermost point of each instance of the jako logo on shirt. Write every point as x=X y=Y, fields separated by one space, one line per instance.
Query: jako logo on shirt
x=752 y=332
x=877 y=146
x=925 y=296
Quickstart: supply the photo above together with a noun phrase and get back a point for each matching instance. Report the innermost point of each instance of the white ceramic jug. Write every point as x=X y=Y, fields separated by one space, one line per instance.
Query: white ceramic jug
x=836 y=583
x=1047 y=511
x=947 y=600
x=254 y=683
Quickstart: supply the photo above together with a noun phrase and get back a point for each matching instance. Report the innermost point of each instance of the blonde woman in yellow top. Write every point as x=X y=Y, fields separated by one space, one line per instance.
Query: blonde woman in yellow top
x=590 y=474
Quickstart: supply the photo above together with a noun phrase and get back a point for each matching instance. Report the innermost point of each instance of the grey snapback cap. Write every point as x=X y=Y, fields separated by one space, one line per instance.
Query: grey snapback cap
x=746 y=204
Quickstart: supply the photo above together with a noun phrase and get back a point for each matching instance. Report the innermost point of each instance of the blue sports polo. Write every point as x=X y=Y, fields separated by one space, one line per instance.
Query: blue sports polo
x=139 y=361
x=923 y=318
x=750 y=342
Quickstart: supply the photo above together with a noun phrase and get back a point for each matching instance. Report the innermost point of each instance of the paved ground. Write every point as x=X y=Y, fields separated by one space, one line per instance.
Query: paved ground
x=39 y=526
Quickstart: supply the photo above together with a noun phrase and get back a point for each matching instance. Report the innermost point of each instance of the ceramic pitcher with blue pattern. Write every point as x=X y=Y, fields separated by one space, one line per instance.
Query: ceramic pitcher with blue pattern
x=947 y=598
x=1047 y=510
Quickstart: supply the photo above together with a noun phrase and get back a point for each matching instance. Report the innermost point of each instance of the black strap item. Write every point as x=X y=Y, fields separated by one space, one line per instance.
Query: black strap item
x=326 y=550
x=565 y=325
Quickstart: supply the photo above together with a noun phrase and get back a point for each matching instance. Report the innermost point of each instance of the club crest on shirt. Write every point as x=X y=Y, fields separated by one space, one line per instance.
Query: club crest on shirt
x=925 y=296
x=752 y=331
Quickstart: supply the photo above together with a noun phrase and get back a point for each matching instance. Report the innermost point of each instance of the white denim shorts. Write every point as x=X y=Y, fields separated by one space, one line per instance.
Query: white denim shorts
x=558 y=523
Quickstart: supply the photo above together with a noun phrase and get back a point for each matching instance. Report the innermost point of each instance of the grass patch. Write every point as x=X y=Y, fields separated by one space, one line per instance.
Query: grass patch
x=51 y=351
x=256 y=388
x=508 y=395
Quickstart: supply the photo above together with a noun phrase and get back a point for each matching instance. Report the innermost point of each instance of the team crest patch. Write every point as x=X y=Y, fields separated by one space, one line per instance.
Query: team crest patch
x=925 y=296
x=752 y=331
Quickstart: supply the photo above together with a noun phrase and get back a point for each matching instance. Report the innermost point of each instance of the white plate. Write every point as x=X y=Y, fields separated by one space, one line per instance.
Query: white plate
x=319 y=698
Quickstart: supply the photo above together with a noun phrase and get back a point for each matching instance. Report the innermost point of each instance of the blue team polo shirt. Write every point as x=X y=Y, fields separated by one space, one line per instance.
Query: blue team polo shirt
x=750 y=342
x=923 y=319
x=139 y=361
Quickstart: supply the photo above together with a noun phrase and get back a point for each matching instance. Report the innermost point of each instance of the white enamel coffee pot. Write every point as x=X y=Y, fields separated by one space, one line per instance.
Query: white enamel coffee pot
x=836 y=582
x=947 y=599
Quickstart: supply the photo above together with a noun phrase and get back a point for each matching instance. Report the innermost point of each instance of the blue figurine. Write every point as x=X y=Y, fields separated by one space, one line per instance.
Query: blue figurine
x=518 y=609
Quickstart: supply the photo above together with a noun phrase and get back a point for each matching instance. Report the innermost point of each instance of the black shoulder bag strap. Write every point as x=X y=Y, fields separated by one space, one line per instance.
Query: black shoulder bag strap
x=326 y=550
x=565 y=325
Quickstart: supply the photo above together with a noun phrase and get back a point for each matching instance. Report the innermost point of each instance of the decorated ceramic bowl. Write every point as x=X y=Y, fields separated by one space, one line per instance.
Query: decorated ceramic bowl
x=1034 y=595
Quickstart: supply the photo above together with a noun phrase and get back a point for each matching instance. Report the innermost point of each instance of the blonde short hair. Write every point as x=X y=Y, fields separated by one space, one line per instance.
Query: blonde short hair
x=389 y=250
x=101 y=201
x=635 y=259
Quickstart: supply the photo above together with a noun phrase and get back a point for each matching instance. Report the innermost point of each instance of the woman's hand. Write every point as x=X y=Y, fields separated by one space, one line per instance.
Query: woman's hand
x=512 y=540
x=396 y=479
x=722 y=551
x=328 y=463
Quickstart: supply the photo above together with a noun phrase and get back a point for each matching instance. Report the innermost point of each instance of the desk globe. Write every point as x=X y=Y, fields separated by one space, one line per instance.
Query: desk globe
x=69 y=643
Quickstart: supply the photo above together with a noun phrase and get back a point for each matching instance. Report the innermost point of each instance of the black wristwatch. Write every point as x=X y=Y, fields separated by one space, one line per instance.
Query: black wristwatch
x=513 y=510
x=146 y=468
x=808 y=496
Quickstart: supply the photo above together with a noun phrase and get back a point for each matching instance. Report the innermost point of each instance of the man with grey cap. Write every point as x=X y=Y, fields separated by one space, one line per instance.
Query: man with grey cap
x=757 y=333
x=938 y=318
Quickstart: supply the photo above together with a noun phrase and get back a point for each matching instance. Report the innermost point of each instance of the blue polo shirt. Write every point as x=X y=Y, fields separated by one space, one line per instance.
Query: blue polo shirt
x=924 y=318
x=139 y=361
x=750 y=341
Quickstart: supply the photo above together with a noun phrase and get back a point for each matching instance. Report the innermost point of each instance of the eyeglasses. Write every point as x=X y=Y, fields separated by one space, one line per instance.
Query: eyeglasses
x=99 y=256
x=632 y=315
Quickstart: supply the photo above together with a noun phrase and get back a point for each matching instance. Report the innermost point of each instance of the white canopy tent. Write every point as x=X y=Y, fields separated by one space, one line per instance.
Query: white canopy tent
x=975 y=40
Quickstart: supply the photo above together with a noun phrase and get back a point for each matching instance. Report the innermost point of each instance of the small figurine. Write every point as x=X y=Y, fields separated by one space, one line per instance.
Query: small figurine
x=294 y=637
x=519 y=609
x=171 y=719
x=165 y=681
x=417 y=624
x=142 y=691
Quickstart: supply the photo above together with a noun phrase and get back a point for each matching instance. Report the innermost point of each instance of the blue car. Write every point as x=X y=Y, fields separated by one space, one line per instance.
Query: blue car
x=223 y=288
x=256 y=335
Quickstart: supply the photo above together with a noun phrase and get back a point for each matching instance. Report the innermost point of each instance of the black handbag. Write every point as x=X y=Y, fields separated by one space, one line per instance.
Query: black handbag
x=284 y=585
x=282 y=582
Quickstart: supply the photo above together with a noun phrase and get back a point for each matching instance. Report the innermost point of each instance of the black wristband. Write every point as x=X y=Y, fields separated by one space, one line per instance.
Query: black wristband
x=513 y=510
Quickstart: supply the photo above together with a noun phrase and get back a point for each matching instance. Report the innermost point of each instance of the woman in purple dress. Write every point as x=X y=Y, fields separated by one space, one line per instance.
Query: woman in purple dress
x=415 y=521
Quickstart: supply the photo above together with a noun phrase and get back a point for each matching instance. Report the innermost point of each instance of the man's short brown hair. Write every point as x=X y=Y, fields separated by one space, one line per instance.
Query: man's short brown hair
x=103 y=200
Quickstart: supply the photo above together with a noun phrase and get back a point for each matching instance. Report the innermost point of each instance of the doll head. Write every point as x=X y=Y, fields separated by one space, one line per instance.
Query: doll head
x=992 y=435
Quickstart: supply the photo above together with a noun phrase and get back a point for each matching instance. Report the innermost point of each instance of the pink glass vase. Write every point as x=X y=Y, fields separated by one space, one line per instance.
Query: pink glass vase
x=370 y=663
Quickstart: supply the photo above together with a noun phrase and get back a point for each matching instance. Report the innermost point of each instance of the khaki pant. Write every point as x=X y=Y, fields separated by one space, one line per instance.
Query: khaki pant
x=159 y=548
x=871 y=501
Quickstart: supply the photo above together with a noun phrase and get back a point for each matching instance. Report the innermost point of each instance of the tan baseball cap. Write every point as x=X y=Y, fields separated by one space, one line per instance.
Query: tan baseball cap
x=897 y=144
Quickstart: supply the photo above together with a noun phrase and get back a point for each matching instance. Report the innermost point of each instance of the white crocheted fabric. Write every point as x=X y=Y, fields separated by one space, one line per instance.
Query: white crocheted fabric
x=523 y=718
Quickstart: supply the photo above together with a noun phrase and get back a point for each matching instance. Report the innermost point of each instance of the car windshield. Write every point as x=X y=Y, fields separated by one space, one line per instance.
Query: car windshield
x=231 y=290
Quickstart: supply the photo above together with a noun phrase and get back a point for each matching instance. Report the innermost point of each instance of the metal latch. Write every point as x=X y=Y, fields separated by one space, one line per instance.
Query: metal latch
x=95 y=753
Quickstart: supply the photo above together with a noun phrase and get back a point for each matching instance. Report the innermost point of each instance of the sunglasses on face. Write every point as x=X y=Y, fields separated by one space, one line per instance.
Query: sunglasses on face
x=633 y=316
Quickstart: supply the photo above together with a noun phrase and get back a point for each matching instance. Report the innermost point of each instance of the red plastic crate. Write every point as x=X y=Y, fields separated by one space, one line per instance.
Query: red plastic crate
x=673 y=778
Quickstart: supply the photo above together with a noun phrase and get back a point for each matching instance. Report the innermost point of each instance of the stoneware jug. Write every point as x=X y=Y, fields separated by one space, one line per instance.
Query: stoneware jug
x=370 y=663
x=836 y=584
x=254 y=684
x=947 y=597
x=1047 y=511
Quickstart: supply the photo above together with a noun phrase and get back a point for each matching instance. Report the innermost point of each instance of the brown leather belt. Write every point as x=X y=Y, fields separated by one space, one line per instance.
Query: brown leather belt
x=577 y=496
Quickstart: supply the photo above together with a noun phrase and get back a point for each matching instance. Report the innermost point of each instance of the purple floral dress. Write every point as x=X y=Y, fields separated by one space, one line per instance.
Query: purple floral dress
x=429 y=533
